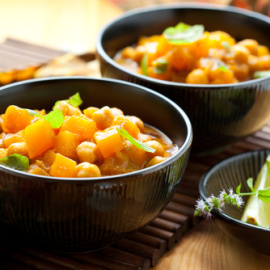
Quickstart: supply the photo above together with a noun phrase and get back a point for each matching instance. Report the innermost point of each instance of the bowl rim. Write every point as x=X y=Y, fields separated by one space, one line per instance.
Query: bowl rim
x=204 y=6
x=185 y=147
x=222 y=215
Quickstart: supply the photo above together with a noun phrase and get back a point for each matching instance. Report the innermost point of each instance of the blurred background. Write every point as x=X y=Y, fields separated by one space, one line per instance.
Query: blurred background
x=262 y=6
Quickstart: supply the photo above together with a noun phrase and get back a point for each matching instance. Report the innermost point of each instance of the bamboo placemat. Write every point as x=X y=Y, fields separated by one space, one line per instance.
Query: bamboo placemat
x=143 y=249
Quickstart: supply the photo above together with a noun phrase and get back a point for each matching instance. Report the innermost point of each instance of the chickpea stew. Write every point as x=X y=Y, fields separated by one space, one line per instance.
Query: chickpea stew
x=70 y=142
x=189 y=54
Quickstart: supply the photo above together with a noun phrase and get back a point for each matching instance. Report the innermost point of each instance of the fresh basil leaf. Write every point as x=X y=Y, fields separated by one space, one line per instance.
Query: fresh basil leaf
x=137 y=143
x=161 y=66
x=261 y=74
x=144 y=64
x=183 y=33
x=74 y=100
x=55 y=118
x=15 y=161
x=250 y=184
x=264 y=195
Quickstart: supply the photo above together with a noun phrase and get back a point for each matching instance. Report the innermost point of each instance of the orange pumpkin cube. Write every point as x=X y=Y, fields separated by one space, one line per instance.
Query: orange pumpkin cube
x=109 y=141
x=63 y=167
x=15 y=119
x=66 y=144
x=39 y=137
x=81 y=125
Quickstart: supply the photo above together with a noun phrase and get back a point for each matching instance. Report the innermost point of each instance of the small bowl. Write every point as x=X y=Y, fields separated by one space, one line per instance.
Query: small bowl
x=86 y=214
x=220 y=114
x=229 y=174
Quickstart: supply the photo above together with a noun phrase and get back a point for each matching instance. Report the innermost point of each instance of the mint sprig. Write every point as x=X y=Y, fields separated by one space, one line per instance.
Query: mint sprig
x=55 y=118
x=262 y=194
x=183 y=33
x=74 y=100
x=15 y=161
x=137 y=143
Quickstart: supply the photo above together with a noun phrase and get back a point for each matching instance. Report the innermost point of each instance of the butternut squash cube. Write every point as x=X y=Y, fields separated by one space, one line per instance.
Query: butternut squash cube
x=39 y=137
x=109 y=141
x=63 y=167
x=15 y=119
x=81 y=125
x=66 y=144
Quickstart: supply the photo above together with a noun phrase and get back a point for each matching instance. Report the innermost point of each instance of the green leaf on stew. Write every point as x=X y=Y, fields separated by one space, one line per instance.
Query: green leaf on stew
x=137 y=143
x=144 y=64
x=55 y=118
x=161 y=66
x=32 y=112
x=261 y=74
x=183 y=33
x=15 y=161
x=74 y=100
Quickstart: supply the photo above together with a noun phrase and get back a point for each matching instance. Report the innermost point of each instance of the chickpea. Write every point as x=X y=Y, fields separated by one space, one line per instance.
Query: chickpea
x=116 y=111
x=155 y=160
x=157 y=146
x=240 y=71
x=197 y=76
x=87 y=169
x=68 y=109
x=218 y=75
x=88 y=152
x=250 y=44
x=18 y=148
x=240 y=53
x=103 y=117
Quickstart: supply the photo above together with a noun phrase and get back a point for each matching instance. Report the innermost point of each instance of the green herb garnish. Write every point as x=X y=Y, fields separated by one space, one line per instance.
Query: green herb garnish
x=74 y=100
x=55 y=118
x=226 y=45
x=137 y=143
x=32 y=112
x=144 y=64
x=261 y=74
x=183 y=33
x=161 y=67
x=15 y=161
x=223 y=67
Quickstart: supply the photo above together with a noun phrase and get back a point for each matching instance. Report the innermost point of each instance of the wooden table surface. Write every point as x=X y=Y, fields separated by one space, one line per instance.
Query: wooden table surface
x=72 y=25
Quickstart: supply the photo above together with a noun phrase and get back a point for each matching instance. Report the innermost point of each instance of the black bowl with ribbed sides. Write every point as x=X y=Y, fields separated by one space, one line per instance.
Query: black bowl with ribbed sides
x=229 y=174
x=86 y=214
x=220 y=114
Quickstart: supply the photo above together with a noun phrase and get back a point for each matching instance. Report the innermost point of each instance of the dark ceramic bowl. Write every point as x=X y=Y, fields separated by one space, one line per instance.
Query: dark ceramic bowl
x=85 y=214
x=220 y=114
x=229 y=174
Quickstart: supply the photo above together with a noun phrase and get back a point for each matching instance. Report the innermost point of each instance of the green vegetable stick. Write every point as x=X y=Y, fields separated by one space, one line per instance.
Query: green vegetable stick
x=257 y=211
